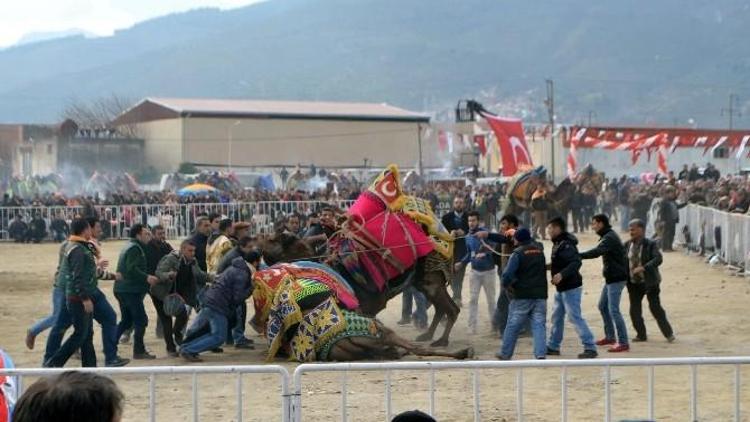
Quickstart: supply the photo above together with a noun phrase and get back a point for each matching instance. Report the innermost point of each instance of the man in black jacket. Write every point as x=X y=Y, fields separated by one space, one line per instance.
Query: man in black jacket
x=616 y=274
x=157 y=249
x=236 y=334
x=244 y=246
x=669 y=217
x=566 y=277
x=200 y=238
x=457 y=223
x=644 y=259
x=221 y=300
x=526 y=277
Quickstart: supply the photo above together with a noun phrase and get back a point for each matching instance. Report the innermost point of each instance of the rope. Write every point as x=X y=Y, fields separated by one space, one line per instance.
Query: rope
x=405 y=245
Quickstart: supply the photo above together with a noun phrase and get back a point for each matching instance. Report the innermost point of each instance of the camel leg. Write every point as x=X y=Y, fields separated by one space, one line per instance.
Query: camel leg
x=363 y=348
x=434 y=287
x=393 y=339
x=427 y=335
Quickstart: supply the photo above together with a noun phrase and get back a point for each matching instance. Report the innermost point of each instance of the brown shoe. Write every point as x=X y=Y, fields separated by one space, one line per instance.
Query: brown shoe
x=30 y=338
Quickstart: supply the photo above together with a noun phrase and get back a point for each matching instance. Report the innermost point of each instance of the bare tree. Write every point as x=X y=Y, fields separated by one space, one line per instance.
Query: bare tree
x=100 y=113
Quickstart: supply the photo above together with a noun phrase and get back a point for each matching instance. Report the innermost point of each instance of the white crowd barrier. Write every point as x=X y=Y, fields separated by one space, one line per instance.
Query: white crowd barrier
x=475 y=366
x=177 y=219
x=726 y=234
x=292 y=389
x=195 y=371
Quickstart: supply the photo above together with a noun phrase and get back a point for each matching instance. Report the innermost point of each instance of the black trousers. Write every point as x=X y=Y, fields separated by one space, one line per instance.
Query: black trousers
x=636 y=293
x=173 y=328
x=668 y=236
x=133 y=315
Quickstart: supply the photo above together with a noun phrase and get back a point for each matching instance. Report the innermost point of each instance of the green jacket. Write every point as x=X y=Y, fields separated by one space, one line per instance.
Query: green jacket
x=60 y=257
x=77 y=273
x=132 y=266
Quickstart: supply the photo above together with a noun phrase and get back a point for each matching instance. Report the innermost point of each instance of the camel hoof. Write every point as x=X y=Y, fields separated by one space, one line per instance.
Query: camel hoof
x=424 y=337
x=469 y=353
x=439 y=343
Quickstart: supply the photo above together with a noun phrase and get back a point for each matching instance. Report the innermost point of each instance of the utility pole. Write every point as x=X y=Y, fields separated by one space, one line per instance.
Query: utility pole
x=731 y=111
x=419 y=141
x=591 y=114
x=550 y=103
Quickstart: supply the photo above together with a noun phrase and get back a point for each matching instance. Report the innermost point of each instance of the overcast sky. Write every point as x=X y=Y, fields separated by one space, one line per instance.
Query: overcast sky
x=101 y=17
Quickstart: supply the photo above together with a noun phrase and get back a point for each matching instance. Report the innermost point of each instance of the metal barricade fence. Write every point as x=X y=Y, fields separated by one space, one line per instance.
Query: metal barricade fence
x=177 y=219
x=563 y=365
x=726 y=234
x=153 y=371
x=292 y=388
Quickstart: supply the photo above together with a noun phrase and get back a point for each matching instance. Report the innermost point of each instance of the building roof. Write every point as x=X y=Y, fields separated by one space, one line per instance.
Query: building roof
x=164 y=108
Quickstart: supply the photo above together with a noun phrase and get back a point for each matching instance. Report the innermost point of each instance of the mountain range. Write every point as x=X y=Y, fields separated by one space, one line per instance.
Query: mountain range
x=639 y=62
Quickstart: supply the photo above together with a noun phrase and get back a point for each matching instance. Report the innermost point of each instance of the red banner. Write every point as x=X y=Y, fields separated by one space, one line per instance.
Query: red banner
x=512 y=143
x=623 y=138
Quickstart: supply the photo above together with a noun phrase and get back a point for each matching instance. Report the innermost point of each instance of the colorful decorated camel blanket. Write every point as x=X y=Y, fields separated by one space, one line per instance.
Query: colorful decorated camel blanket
x=388 y=231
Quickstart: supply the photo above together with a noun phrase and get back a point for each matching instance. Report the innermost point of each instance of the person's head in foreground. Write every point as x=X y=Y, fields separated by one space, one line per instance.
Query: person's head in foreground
x=70 y=397
x=413 y=416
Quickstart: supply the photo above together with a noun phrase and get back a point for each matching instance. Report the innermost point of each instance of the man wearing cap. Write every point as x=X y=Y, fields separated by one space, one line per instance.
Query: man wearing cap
x=616 y=274
x=504 y=239
x=239 y=230
x=526 y=278
x=644 y=259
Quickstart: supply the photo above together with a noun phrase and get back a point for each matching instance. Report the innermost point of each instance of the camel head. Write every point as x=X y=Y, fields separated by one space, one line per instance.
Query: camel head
x=284 y=247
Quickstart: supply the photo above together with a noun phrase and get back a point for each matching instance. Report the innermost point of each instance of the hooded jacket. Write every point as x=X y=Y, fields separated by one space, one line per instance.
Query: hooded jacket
x=230 y=289
x=566 y=261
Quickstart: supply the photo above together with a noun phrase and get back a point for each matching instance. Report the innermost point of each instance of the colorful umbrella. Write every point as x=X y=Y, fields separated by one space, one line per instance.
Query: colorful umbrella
x=196 y=189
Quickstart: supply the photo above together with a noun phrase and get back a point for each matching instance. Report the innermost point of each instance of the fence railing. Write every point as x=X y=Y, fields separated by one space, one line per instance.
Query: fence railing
x=475 y=366
x=177 y=219
x=153 y=371
x=727 y=234
x=292 y=390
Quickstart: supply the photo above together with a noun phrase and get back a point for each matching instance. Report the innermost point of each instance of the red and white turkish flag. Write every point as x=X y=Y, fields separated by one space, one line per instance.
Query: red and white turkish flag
x=512 y=142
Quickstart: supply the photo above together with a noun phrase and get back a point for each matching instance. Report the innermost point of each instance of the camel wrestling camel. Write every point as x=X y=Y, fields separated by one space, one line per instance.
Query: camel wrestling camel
x=387 y=241
x=308 y=312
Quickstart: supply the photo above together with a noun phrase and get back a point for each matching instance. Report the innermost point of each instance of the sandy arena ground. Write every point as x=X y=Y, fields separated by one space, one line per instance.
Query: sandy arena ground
x=708 y=309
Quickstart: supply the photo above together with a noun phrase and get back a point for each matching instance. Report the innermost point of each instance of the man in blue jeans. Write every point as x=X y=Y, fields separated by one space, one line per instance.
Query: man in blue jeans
x=102 y=313
x=526 y=278
x=616 y=274
x=78 y=275
x=410 y=297
x=567 y=279
x=220 y=302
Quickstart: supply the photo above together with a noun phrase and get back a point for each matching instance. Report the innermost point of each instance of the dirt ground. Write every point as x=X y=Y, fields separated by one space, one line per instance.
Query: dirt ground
x=707 y=307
